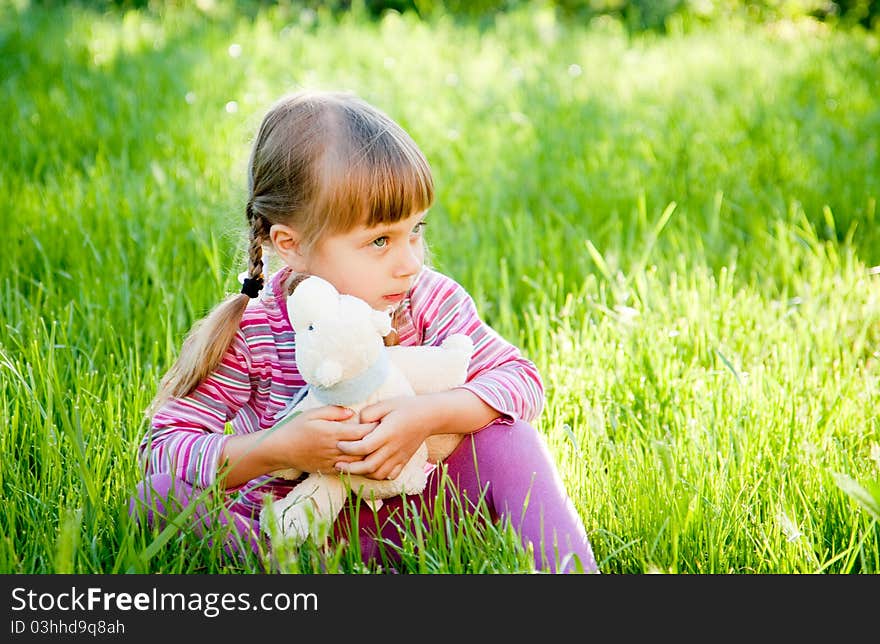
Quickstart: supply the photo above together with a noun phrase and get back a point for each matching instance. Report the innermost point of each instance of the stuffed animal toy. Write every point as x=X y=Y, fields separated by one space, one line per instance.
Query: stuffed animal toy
x=343 y=359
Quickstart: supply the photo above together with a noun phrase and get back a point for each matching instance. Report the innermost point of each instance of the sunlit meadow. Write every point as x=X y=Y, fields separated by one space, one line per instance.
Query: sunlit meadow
x=679 y=230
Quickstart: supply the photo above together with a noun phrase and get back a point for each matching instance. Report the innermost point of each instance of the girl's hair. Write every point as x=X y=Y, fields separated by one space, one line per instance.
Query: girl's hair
x=322 y=163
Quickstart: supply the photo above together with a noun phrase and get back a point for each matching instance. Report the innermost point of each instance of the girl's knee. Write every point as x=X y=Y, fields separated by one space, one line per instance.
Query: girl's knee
x=516 y=437
x=502 y=452
x=154 y=494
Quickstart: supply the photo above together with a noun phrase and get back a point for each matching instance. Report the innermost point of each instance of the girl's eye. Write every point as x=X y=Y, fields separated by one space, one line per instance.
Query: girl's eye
x=380 y=242
x=419 y=228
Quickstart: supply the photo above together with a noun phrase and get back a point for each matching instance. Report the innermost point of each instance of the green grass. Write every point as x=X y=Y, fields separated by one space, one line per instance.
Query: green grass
x=680 y=232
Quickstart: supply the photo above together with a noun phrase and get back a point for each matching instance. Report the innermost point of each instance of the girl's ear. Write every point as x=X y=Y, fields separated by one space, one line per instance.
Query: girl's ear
x=288 y=246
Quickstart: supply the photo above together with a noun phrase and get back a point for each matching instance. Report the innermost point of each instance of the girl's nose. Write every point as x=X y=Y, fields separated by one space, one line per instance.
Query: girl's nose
x=410 y=261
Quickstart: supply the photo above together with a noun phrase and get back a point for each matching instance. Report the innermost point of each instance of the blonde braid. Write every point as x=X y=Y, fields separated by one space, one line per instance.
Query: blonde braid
x=254 y=279
x=210 y=337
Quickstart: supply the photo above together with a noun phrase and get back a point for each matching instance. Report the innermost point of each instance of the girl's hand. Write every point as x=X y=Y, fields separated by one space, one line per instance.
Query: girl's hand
x=403 y=424
x=309 y=441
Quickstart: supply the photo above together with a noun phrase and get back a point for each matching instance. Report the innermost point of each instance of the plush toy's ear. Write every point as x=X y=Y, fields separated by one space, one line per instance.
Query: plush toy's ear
x=316 y=289
x=382 y=322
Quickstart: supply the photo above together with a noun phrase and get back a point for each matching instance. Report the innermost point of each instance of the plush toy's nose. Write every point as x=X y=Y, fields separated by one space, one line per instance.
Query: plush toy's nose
x=329 y=373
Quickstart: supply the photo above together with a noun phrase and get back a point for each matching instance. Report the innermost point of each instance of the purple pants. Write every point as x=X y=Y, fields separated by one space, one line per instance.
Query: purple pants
x=506 y=467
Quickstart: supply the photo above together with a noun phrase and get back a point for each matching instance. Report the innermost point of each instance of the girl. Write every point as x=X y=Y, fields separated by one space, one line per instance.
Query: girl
x=339 y=190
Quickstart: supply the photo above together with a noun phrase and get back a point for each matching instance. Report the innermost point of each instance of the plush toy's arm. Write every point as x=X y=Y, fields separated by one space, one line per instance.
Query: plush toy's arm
x=433 y=369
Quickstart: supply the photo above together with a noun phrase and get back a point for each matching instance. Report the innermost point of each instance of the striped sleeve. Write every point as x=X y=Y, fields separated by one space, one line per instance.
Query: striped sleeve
x=187 y=434
x=498 y=373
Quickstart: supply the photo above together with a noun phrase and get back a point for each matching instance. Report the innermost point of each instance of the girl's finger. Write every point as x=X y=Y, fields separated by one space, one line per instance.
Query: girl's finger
x=355 y=448
x=331 y=412
x=354 y=431
x=365 y=467
x=374 y=412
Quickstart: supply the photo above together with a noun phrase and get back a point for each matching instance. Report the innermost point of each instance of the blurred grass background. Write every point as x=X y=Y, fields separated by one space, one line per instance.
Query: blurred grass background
x=670 y=206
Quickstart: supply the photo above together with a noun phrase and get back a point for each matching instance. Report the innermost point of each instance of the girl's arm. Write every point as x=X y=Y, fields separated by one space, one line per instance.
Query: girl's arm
x=498 y=373
x=406 y=422
x=188 y=439
x=457 y=411
x=187 y=435
x=308 y=442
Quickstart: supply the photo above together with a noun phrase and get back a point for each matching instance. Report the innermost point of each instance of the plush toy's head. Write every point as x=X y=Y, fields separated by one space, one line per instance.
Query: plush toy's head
x=338 y=336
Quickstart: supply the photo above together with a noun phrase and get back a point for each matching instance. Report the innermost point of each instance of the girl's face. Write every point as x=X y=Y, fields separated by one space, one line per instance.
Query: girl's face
x=376 y=264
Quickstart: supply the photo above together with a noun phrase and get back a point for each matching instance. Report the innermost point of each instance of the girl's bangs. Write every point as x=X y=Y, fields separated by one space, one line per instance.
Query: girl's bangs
x=376 y=191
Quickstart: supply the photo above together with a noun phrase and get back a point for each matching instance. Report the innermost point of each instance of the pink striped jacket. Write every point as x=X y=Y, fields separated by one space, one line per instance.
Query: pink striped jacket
x=258 y=376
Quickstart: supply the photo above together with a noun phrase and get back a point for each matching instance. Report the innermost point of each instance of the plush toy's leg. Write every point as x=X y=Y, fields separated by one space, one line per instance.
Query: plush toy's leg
x=308 y=510
x=413 y=478
x=291 y=474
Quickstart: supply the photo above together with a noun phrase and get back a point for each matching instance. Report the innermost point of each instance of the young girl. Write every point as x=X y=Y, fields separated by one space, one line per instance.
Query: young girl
x=339 y=190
